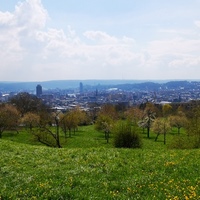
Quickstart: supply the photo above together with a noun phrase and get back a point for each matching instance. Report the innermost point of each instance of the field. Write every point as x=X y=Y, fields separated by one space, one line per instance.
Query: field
x=89 y=168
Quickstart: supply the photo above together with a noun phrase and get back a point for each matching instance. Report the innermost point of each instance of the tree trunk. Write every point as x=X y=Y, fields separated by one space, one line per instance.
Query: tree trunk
x=157 y=136
x=148 y=131
x=70 y=134
x=1 y=132
x=58 y=138
x=164 y=137
x=179 y=130
x=107 y=136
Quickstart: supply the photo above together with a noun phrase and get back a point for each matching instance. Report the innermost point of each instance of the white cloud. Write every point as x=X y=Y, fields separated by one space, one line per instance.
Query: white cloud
x=34 y=51
x=30 y=14
x=100 y=36
x=172 y=58
x=6 y=18
x=17 y=32
x=197 y=23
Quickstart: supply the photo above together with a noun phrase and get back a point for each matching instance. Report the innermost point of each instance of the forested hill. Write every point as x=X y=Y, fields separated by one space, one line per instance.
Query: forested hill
x=99 y=84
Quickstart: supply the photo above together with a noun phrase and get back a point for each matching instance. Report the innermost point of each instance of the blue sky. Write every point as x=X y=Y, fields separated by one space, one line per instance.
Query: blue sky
x=99 y=39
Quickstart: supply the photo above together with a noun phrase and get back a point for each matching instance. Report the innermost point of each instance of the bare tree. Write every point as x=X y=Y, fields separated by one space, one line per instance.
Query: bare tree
x=47 y=134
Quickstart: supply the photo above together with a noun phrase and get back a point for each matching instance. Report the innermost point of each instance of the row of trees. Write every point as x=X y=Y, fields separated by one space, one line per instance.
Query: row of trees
x=45 y=124
x=25 y=110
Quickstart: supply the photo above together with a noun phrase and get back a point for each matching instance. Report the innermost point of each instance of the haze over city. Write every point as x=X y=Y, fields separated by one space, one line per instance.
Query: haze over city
x=44 y=40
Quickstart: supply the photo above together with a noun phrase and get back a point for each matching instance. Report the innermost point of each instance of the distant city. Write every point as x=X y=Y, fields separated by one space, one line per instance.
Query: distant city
x=65 y=95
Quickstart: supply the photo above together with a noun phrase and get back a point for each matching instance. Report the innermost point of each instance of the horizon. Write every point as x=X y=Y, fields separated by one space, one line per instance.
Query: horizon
x=72 y=84
x=104 y=80
x=42 y=40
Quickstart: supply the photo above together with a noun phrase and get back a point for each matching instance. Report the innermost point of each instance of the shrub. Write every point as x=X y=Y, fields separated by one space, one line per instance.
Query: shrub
x=184 y=142
x=126 y=137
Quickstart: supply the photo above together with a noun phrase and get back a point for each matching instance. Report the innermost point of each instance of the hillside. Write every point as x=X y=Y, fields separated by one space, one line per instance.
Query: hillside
x=37 y=172
x=98 y=84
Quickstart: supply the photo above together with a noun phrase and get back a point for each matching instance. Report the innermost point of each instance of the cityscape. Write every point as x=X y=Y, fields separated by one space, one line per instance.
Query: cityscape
x=87 y=97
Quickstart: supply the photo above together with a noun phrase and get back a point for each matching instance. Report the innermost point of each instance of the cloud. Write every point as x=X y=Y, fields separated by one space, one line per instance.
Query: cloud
x=172 y=58
x=197 y=23
x=100 y=36
x=34 y=51
x=29 y=42
x=17 y=36
x=30 y=14
x=6 y=18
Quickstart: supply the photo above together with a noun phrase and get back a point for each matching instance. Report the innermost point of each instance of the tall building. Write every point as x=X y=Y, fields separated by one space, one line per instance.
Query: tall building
x=81 y=88
x=38 y=90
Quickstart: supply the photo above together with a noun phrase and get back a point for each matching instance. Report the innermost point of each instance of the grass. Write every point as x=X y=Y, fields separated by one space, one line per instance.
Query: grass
x=86 y=137
x=89 y=168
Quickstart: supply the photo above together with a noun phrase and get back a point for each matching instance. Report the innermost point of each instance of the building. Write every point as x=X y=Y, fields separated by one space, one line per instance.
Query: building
x=38 y=90
x=81 y=88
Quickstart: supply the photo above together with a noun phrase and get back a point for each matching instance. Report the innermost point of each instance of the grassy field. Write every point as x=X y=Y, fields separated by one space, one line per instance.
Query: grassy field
x=89 y=168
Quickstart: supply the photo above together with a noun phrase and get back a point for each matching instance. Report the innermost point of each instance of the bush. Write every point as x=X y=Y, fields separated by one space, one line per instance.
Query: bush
x=184 y=142
x=126 y=137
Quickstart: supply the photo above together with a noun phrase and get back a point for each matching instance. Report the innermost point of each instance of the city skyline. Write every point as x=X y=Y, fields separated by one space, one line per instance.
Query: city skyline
x=42 y=40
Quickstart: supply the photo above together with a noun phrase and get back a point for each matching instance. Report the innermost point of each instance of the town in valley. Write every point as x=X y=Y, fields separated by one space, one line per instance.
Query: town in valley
x=87 y=96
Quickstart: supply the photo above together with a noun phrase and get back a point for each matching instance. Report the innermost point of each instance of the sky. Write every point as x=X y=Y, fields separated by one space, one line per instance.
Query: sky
x=44 y=40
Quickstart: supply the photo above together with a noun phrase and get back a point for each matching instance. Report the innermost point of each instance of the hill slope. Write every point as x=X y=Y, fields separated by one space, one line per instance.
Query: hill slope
x=29 y=172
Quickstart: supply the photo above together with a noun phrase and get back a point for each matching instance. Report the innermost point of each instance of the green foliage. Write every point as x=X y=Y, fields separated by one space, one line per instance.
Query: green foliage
x=30 y=120
x=126 y=137
x=9 y=118
x=184 y=142
x=133 y=114
x=161 y=126
x=178 y=121
x=193 y=129
x=166 y=110
x=70 y=120
x=103 y=123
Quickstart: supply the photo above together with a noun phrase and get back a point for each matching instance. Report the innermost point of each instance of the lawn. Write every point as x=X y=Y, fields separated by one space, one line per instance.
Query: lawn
x=89 y=168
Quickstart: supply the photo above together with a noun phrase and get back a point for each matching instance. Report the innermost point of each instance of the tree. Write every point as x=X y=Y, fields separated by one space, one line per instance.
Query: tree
x=45 y=132
x=105 y=119
x=71 y=120
x=9 y=117
x=81 y=116
x=178 y=121
x=192 y=138
x=30 y=120
x=26 y=102
x=148 y=119
x=166 y=110
x=193 y=129
x=161 y=126
x=109 y=110
x=104 y=123
x=133 y=115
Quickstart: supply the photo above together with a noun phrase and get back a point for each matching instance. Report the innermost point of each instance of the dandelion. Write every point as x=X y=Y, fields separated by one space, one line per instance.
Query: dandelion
x=169 y=164
x=170 y=181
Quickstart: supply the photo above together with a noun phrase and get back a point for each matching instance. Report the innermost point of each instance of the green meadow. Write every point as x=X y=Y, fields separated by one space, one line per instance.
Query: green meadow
x=90 y=168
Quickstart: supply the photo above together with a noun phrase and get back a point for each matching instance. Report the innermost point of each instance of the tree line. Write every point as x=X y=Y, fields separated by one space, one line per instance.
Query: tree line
x=45 y=124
